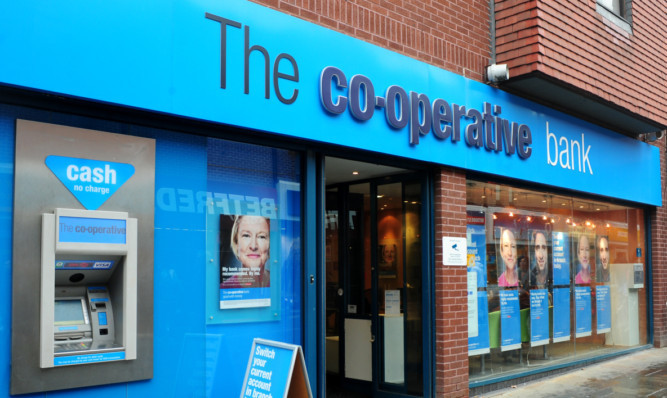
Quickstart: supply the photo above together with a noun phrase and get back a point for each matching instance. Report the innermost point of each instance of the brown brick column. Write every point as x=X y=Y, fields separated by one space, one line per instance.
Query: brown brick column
x=659 y=256
x=451 y=313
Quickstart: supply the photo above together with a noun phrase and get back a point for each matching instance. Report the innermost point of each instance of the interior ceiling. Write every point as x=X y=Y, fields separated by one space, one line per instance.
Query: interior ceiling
x=339 y=170
x=495 y=195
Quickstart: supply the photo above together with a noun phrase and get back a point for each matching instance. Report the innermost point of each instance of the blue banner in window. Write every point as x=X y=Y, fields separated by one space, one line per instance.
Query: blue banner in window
x=539 y=317
x=510 y=320
x=603 y=301
x=479 y=343
x=476 y=239
x=582 y=303
x=560 y=258
x=91 y=230
x=561 y=313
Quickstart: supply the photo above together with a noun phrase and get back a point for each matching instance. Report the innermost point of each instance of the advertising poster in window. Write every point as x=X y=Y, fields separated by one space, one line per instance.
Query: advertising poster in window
x=388 y=257
x=245 y=266
x=561 y=314
x=540 y=269
x=581 y=258
x=539 y=317
x=476 y=239
x=582 y=303
x=507 y=261
x=478 y=318
x=560 y=255
x=602 y=259
x=510 y=320
x=478 y=343
x=603 y=305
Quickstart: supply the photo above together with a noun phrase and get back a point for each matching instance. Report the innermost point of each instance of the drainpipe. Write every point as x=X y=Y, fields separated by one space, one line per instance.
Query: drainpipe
x=495 y=73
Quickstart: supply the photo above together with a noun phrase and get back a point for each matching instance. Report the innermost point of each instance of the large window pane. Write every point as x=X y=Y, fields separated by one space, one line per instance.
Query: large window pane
x=552 y=279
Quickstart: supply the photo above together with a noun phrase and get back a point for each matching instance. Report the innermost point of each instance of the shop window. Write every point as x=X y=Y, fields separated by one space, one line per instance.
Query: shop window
x=552 y=279
x=253 y=248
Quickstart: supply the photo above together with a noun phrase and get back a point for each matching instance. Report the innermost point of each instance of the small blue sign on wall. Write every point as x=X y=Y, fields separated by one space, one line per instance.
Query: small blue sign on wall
x=91 y=182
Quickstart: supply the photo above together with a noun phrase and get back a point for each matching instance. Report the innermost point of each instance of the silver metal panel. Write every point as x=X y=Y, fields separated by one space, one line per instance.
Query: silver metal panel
x=36 y=191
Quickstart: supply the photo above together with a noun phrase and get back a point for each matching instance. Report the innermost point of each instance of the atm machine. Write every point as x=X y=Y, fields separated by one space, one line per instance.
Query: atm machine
x=88 y=311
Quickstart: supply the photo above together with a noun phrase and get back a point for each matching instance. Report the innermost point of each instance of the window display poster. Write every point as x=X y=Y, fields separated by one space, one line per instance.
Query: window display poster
x=479 y=343
x=539 y=317
x=560 y=258
x=245 y=276
x=603 y=301
x=581 y=257
x=472 y=305
x=582 y=303
x=561 y=313
x=540 y=274
x=510 y=320
x=476 y=239
x=245 y=240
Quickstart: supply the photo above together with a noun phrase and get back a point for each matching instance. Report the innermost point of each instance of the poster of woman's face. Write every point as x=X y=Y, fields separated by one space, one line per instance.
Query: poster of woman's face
x=582 y=257
x=507 y=266
x=387 y=255
x=245 y=244
x=539 y=255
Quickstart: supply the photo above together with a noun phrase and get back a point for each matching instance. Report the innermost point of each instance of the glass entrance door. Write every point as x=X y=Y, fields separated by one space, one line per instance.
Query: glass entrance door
x=374 y=287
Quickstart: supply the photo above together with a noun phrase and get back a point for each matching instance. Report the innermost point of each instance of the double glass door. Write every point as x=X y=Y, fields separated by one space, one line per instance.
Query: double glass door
x=374 y=287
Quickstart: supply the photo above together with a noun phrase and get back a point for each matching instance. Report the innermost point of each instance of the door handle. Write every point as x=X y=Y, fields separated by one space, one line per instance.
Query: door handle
x=372 y=340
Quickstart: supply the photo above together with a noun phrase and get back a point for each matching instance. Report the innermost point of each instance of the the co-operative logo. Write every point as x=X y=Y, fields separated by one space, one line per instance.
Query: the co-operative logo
x=92 y=182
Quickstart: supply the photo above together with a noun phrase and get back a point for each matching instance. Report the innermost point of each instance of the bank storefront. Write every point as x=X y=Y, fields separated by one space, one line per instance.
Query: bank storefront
x=291 y=197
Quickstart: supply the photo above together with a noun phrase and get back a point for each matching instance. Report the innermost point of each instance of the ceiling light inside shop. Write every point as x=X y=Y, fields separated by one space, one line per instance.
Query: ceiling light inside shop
x=355 y=173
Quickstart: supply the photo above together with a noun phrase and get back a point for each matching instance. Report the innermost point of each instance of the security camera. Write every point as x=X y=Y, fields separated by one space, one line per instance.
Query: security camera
x=497 y=73
x=654 y=136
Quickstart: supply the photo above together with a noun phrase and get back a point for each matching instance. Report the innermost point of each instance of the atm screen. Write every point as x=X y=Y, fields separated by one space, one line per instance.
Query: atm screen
x=69 y=312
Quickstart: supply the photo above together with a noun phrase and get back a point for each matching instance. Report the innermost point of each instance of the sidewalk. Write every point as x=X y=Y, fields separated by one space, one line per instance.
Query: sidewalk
x=642 y=374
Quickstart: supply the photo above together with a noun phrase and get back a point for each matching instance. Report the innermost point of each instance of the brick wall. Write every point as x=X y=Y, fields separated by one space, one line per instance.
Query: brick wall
x=453 y=35
x=451 y=318
x=659 y=258
x=573 y=43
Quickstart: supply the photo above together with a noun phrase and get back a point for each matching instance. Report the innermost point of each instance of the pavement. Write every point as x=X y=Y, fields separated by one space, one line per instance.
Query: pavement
x=641 y=374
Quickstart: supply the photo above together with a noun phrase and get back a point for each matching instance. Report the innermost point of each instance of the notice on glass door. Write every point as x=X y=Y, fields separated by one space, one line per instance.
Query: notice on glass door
x=392 y=302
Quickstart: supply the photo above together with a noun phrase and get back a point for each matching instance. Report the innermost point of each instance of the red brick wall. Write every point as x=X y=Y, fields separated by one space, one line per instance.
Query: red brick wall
x=659 y=258
x=571 y=42
x=453 y=35
x=451 y=318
